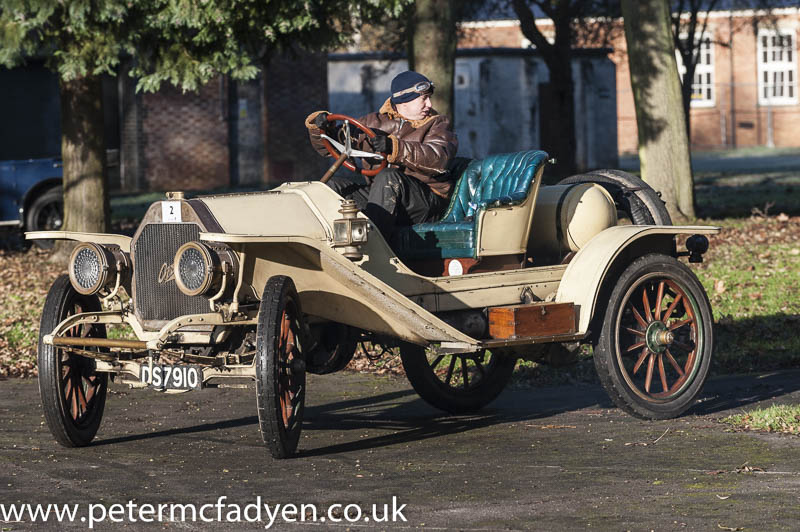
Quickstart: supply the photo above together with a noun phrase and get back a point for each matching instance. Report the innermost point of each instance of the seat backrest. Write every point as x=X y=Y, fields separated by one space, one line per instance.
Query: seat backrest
x=504 y=178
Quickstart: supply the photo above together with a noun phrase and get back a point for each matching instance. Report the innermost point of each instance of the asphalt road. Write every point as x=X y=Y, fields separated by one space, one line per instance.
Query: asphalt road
x=544 y=459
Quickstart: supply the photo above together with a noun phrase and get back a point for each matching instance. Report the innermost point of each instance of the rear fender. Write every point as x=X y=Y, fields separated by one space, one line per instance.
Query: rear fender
x=597 y=265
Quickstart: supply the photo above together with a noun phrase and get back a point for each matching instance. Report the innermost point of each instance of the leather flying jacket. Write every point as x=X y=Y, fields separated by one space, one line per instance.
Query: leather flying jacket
x=423 y=148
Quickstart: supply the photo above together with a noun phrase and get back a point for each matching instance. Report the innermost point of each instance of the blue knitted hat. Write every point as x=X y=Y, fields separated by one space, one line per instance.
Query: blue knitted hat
x=408 y=80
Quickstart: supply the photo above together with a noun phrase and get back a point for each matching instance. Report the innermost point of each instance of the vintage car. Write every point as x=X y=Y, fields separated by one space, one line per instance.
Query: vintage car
x=271 y=285
x=30 y=195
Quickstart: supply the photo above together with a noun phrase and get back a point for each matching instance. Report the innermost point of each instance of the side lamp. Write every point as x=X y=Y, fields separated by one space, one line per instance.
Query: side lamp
x=349 y=231
x=697 y=245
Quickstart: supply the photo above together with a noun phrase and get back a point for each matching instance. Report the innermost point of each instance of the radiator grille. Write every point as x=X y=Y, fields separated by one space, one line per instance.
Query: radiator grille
x=153 y=250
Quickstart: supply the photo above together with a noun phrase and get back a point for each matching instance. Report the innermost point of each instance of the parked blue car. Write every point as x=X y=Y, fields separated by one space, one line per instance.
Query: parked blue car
x=31 y=196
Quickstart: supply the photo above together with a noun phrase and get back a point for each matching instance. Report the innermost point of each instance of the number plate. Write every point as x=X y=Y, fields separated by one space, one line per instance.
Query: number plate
x=166 y=377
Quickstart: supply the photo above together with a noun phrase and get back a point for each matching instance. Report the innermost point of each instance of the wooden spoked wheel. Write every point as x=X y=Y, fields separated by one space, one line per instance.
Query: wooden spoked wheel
x=73 y=392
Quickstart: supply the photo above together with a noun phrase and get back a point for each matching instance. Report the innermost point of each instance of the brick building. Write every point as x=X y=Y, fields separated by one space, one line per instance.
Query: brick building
x=745 y=91
x=227 y=133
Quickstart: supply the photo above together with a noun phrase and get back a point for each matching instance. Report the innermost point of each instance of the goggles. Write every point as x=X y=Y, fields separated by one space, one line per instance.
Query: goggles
x=423 y=87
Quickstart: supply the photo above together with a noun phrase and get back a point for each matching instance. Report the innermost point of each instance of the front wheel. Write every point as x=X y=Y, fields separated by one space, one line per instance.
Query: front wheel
x=654 y=350
x=280 y=367
x=458 y=383
x=73 y=393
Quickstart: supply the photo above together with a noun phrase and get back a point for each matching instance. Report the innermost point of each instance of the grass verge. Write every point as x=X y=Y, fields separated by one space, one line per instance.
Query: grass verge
x=776 y=418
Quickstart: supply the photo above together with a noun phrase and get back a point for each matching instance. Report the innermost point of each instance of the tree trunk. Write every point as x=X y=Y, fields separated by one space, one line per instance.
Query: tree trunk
x=558 y=135
x=432 y=49
x=556 y=98
x=84 y=157
x=686 y=97
x=663 y=143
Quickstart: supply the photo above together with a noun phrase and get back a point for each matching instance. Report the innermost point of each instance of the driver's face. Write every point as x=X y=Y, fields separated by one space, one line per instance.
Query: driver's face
x=416 y=109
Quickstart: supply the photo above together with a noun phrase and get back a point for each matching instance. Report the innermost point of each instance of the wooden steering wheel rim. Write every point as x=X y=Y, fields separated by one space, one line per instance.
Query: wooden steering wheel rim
x=347 y=164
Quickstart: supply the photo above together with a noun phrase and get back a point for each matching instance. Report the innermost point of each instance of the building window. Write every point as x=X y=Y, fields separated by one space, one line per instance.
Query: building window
x=777 y=68
x=703 y=80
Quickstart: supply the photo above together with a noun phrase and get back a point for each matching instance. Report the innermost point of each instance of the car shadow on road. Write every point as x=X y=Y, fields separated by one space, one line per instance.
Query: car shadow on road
x=738 y=391
x=205 y=427
x=416 y=420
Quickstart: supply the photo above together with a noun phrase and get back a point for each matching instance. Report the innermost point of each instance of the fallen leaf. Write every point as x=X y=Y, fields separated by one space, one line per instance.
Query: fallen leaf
x=783 y=217
x=723 y=527
x=719 y=286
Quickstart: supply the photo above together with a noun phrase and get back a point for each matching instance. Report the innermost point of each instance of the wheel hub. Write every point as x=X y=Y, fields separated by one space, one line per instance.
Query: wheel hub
x=658 y=337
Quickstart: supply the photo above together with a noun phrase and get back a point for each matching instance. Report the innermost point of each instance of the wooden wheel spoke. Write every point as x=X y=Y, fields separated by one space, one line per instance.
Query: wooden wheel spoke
x=91 y=389
x=683 y=346
x=649 y=377
x=662 y=372
x=640 y=360
x=480 y=367
x=298 y=395
x=284 y=337
x=450 y=369
x=637 y=332
x=67 y=384
x=638 y=316
x=635 y=346
x=437 y=361
x=74 y=401
x=679 y=324
x=671 y=308
x=464 y=371
x=673 y=362
x=82 y=403
x=646 y=302
x=659 y=299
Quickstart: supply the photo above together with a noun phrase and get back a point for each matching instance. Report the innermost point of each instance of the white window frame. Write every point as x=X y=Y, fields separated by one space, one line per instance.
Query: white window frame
x=777 y=66
x=704 y=92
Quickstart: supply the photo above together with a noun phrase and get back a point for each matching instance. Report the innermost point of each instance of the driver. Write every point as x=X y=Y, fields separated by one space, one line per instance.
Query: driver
x=419 y=144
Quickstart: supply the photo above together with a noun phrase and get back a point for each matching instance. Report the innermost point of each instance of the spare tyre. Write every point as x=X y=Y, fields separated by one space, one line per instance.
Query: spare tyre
x=635 y=199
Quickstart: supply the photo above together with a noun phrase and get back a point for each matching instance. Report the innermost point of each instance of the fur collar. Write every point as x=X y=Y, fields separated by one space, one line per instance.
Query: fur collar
x=388 y=109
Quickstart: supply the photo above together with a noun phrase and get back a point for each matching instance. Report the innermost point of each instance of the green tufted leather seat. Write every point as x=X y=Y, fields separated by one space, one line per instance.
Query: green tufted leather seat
x=498 y=181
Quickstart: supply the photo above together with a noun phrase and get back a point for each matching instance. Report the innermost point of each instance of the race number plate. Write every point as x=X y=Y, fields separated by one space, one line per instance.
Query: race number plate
x=166 y=377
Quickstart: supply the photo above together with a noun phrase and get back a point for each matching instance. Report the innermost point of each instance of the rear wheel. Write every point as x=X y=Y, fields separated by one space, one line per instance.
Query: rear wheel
x=458 y=383
x=654 y=350
x=635 y=200
x=46 y=213
x=280 y=367
x=73 y=393
x=338 y=348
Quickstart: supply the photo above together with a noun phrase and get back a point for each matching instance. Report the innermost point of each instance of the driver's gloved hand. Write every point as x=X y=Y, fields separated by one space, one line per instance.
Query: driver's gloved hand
x=381 y=143
x=321 y=122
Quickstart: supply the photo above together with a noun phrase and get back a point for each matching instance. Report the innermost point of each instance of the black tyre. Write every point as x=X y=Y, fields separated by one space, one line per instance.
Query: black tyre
x=654 y=350
x=46 y=213
x=73 y=393
x=636 y=200
x=280 y=367
x=458 y=383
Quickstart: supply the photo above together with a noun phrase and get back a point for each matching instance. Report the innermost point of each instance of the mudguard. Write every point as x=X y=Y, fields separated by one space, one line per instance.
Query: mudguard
x=589 y=270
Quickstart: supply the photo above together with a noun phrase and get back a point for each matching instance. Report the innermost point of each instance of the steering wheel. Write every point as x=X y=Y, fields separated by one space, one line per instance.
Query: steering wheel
x=346 y=151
